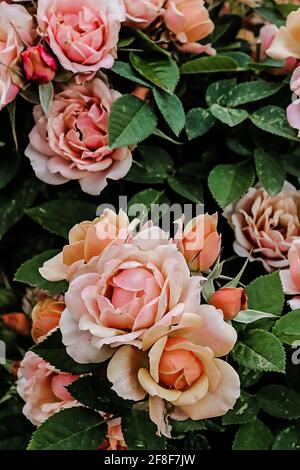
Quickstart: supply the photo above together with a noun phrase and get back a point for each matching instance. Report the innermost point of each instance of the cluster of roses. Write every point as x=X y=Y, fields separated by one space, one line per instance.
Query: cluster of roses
x=71 y=142
x=134 y=300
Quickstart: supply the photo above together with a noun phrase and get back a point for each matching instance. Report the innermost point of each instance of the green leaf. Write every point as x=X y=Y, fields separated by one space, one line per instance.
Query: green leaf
x=231 y=117
x=243 y=60
x=252 y=91
x=279 y=401
x=171 y=108
x=218 y=92
x=123 y=69
x=9 y=165
x=155 y=166
x=71 y=429
x=144 y=202
x=269 y=170
x=273 y=119
x=245 y=410
x=96 y=393
x=147 y=43
x=253 y=436
x=287 y=439
x=270 y=14
x=285 y=10
x=162 y=71
x=229 y=182
x=218 y=63
x=287 y=328
x=190 y=189
x=131 y=120
x=140 y=432
x=189 y=425
x=266 y=294
x=248 y=377
x=250 y=316
x=28 y=273
x=46 y=93
x=60 y=215
x=53 y=351
x=260 y=350
x=14 y=203
x=198 y=122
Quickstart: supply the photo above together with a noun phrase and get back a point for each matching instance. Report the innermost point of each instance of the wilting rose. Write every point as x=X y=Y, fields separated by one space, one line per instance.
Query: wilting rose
x=287 y=40
x=199 y=242
x=39 y=66
x=141 y=13
x=266 y=226
x=290 y=278
x=16 y=29
x=17 y=322
x=86 y=240
x=83 y=34
x=114 y=439
x=115 y=298
x=72 y=143
x=43 y=389
x=181 y=369
x=231 y=300
x=45 y=317
x=189 y=21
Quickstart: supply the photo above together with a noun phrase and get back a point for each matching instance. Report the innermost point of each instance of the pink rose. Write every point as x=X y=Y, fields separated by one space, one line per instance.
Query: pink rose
x=287 y=41
x=115 y=298
x=141 y=13
x=43 y=389
x=72 y=143
x=83 y=34
x=87 y=240
x=266 y=37
x=290 y=278
x=231 y=300
x=200 y=242
x=293 y=110
x=178 y=367
x=16 y=28
x=39 y=66
x=189 y=21
x=266 y=226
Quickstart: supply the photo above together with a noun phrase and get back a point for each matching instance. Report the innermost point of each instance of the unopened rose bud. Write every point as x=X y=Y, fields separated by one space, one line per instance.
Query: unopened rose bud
x=231 y=300
x=17 y=322
x=39 y=66
x=45 y=317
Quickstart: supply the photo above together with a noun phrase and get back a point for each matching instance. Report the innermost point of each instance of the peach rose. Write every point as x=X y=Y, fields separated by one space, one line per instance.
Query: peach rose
x=17 y=322
x=43 y=389
x=16 y=29
x=199 y=242
x=86 y=240
x=189 y=21
x=290 y=278
x=266 y=37
x=231 y=300
x=45 y=317
x=83 y=34
x=72 y=143
x=39 y=66
x=114 y=439
x=115 y=298
x=287 y=41
x=293 y=109
x=181 y=371
x=266 y=226
x=141 y=13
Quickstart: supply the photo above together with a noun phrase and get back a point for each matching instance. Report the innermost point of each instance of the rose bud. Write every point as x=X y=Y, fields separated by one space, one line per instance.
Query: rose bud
x=17 y=322
x=45 y=317
x=231 y=300
x=39 y=66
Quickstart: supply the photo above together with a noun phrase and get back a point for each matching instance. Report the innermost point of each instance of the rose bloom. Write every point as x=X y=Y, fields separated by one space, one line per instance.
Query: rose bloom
x=72 y=143
x=287 y=41
x=115 y=298
x=199 y=242
x=16 y=28
x=266 y=226
x=45 y=318
x=231 y=300
x=141 y=13
x=189 y=21
x=43 y=389
x=181 y=371
x=266 y=37
x=292 y=111
x=39 y=66
x=290 y=278
x=114 y=439
x=83 y=34
x=86 y=240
